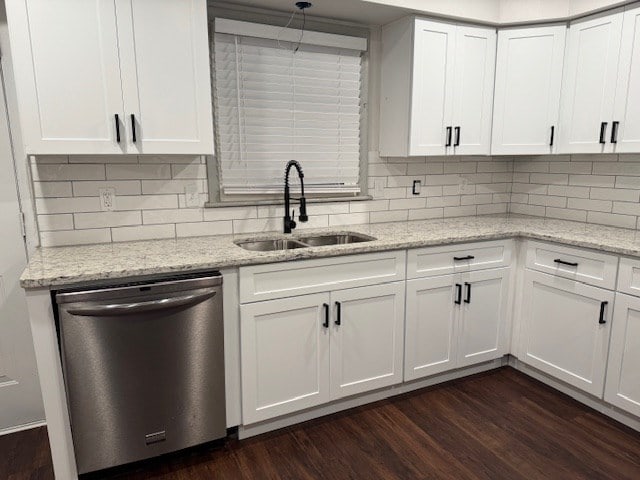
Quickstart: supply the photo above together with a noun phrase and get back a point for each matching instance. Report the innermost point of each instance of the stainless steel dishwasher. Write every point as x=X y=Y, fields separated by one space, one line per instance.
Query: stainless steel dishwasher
x=143 y=367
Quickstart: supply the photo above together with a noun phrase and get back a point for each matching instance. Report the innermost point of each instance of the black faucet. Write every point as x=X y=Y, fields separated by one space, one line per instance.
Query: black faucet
x=289 y=223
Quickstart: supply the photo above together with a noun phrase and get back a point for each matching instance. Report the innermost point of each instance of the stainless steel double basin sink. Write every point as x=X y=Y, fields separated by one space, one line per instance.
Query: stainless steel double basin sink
x=321 y=240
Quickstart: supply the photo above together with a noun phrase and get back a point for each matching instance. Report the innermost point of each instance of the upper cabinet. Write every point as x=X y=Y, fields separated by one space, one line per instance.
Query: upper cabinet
x=112 y=76
x=527 y=93
x=436 y=88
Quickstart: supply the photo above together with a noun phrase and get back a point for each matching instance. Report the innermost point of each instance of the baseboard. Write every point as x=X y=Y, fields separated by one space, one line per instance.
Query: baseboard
x=246 y=431
x=20 y=428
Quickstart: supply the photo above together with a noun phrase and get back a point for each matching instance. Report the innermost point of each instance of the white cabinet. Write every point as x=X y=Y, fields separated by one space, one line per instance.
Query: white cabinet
x=455 y=321
x=306 y=350
x=589 y=85
x=565 y=329
x=623 y=373
x=436 y=88
x=112 y=76
x=527 y=90
x=285 y=356
x=366 y=338
x=626 y=110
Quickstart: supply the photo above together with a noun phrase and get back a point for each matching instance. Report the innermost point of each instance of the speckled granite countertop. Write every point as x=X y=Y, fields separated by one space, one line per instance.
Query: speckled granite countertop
x=59 y=266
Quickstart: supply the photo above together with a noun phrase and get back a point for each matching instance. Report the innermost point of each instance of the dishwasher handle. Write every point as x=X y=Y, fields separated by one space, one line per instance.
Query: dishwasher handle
x=117 y=309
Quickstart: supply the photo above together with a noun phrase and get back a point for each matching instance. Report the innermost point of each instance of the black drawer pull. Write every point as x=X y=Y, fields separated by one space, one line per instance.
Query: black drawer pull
x=603 y=132
x=457 y=129
x=602 y=320
x=562 y=262
x=614 y=132
x=448 y=144
x=458 y=299
x=117 y=119
x=468 y=299
x=459 y=259
x=553 y=131
x=338 y=313
x=325 y=324
x=133 y=128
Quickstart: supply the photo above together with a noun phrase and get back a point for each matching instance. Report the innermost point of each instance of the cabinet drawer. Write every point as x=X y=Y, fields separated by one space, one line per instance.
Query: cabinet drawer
x=629 y=276
x=593 y=268
x=432 y=261
x=279 y=280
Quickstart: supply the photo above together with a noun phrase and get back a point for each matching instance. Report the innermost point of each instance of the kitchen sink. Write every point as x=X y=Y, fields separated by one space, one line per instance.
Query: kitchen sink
x=335 y=239
x=270 y=245
x=277 y=244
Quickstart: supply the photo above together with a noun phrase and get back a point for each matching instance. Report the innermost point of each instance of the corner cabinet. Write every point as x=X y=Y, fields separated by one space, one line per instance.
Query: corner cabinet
x=302 y=350
x=601 y=86
x=436 y=88
x=457 y=319
x=528 y=79
x=112 y=76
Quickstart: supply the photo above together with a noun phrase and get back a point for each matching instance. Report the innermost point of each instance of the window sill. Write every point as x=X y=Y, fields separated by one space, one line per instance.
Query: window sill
x=280 y=201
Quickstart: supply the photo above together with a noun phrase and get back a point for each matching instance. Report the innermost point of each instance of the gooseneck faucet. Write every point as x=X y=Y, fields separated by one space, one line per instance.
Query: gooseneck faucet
x=289 y=222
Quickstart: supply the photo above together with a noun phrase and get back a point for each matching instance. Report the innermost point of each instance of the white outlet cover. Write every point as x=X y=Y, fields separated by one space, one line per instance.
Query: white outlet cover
x=107 y=199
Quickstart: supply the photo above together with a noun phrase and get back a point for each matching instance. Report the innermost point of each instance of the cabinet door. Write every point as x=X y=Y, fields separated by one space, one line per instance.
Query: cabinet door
x=431 y=326
x=588 y=88
x=623 y=375
x=475 y=60
x=484 y=316
x=284 y=356
x=432 y=89
x=65 y=57
x=367 y=338
x=166 y=76
x=561 y=330
x=527 y=91
x=627 y=111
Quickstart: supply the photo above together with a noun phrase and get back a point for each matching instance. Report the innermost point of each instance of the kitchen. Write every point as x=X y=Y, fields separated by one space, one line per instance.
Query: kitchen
x=467 y=230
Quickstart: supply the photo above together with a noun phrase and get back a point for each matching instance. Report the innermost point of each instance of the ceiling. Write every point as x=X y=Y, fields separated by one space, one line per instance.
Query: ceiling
x=356 y=11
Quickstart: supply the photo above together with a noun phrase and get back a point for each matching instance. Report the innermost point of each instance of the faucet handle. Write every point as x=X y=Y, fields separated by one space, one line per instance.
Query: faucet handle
x=292 y=222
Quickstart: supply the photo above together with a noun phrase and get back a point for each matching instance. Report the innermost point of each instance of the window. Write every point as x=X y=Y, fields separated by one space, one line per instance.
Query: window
x=277 y=99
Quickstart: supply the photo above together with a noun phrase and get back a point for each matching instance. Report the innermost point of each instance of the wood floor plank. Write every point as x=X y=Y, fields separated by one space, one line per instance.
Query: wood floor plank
x=492 y=426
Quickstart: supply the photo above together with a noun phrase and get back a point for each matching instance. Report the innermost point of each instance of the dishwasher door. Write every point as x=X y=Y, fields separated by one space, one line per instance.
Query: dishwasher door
x=143 y=368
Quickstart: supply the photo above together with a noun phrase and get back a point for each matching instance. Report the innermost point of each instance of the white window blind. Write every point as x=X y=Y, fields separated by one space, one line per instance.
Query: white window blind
x=274 y=104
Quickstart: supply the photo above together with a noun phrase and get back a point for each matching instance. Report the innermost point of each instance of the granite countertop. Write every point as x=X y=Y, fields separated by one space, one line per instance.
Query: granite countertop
x=60 y=266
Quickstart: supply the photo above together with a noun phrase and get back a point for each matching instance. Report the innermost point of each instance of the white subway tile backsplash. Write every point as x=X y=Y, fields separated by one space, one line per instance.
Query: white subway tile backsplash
x=52 y=189
x=143 y=232
x=174 y=215
x=67 y=205
x=138 y=172
x=199 y=229
x=106 y=219
x=92 y=188
x=62 y=221
x=146 y=202
x=75 y=237
x=389 y=216
x=170 y=186
x=64 y=171
x=624 y=221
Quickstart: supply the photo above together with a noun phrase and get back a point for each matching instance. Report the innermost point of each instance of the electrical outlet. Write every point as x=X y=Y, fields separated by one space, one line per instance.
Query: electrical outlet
x=192 y=195
x=107 y=199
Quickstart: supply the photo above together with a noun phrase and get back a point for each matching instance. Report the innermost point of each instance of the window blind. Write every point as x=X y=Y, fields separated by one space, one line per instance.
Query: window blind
x=274 y=104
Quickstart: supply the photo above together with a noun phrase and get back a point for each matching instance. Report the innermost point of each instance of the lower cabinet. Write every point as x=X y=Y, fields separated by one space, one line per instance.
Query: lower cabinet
x=455 y=320
x=565 y=329
x=623 y=373
x=303 y=351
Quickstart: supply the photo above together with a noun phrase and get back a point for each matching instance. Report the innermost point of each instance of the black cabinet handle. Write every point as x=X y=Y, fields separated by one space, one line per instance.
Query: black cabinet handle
x=603 y=132
x=602 y=320
x=459 y=259
x=614 y=132
x=117 y=119
x=325 y=324
x=457 y=129
x=553 y=131
x=133 y=128
x=562 y=262
x=338 y=313
x=448 y=144
x=468 y=298
x=458 y=299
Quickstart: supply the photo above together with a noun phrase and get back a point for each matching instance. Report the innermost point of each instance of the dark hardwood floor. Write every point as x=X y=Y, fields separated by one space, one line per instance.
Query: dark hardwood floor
x=497 y=425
